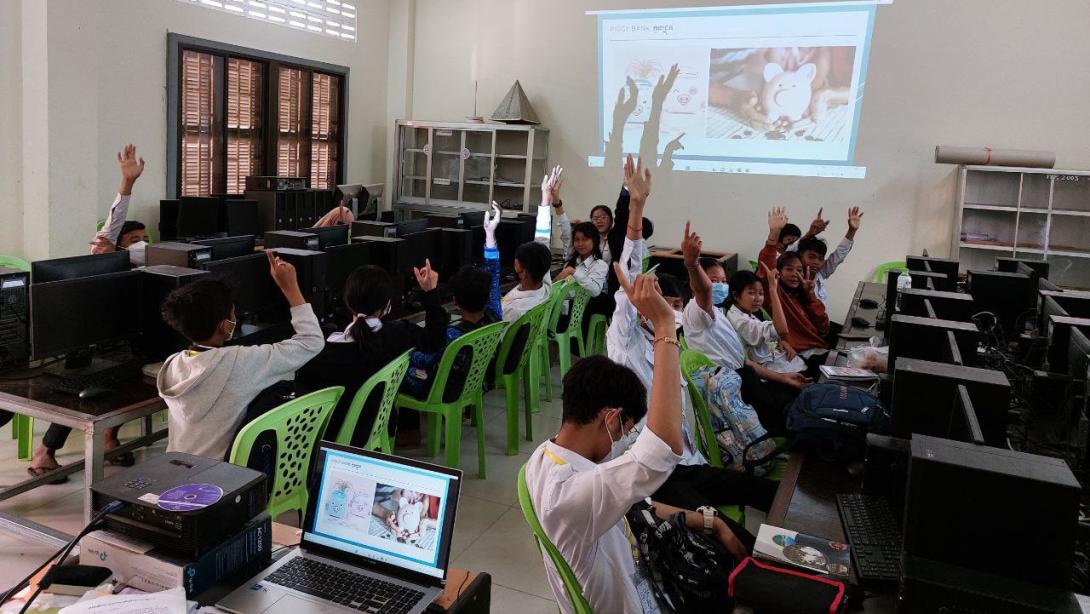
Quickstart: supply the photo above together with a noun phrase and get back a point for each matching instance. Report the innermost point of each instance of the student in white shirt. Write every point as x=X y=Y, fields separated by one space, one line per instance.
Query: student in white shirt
x=582 y=486
x=813 y=251
x=532 y=260
x=761 y=338
x=582 y=249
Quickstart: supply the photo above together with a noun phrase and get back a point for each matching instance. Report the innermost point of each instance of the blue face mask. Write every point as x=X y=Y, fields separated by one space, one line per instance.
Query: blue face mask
x=720 y=292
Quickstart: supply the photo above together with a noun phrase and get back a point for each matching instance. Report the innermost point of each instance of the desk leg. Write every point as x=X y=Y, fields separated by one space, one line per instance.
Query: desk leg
x=94 y=447
x=146 y=426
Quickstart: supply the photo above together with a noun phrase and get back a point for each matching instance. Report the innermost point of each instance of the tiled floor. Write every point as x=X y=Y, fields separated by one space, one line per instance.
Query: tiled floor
x=490 y=533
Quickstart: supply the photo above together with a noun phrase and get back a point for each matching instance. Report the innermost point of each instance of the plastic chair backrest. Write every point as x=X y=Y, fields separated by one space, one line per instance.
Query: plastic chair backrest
x=557 y=296
x=691 y=360
x=883 y=269
x=578 y=308
x=14 y=262
x=534 y=320
x=753 y=265
x=483 y=341
x=567 y=576
x=389 y=377
x=297 y=424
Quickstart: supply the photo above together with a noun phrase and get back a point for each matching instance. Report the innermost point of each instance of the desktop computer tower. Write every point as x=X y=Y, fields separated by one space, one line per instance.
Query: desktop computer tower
x=310 y=268
x=305 y=209
x=509 y=235
x=929 y=586
x=371 y=228
x=991 y=510
x=296 y=239
x=455 y=250
x=240 y=217
x=168 y=219
x=178 y=254
x=14 y=317
x=158 y=340
x=275 y=210
x=443 y=220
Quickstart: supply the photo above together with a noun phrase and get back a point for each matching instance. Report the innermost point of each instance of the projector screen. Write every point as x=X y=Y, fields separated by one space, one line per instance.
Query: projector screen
x=770 y=89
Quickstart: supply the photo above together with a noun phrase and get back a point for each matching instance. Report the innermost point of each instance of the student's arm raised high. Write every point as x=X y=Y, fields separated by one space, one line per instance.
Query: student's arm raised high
x=131 y=168
x=691 y=245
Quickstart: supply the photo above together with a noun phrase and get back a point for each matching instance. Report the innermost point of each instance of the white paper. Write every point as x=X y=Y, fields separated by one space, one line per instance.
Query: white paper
x=165 y=602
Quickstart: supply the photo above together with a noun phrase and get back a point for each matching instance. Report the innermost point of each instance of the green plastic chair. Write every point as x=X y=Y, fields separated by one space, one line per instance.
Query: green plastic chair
x=883 y=269
x=525 y=370
x=558 y=296
x=754 y=265
x=297 y=425
x=574 y=332
x=567 y=576
x=14 y=262
x=389 y=377
x=596 y=335
x=441 y=413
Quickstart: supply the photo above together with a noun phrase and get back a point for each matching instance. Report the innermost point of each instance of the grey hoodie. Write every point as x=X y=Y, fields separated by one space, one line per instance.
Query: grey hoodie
x=207 y=392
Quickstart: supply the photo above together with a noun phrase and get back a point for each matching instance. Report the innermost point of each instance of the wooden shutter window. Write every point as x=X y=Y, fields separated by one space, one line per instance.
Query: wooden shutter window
x=197 y=110
x=244 y=122
x=325 y=112
x=291 y=122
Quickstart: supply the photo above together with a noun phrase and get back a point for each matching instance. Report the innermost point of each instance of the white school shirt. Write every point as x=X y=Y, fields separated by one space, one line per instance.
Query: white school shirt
x=517 y=302
x=581 y=506
x=115 y=219
x=713 y=335
x=832 y=262
x=592 y=272
x=761 y=340
x=629 y=344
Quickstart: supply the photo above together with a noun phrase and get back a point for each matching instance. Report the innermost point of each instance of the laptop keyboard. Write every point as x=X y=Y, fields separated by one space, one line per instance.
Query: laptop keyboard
x=348 y=588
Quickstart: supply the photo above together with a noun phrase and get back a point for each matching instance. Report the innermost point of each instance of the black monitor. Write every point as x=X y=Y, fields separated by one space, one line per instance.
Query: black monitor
x=343 y=259
x=947 y=266
x=928 y=280
x=946 y=305
x=419 y=246
x=229 y=247
x=1010 y=265
x=1074 y=304
x=891 y=298
x=472 y=218
x=925 y=396
x=388 y=253
x=1059 y=338
x=1012 y=297
x=1078 y=355
x=925 y=338
x=253 y=290
x=198 y=216
x=409 y=227
x=57 y=269
x=1045 y=284
x=75 y=314
x=330 y=235
x=508 y=238
x=1048 y=307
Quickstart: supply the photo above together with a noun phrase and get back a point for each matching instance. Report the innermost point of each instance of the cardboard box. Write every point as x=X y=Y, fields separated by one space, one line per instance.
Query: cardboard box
x=139 y=565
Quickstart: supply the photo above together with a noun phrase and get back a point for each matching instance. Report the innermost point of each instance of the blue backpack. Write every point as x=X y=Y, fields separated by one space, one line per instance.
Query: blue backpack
x=834 y=419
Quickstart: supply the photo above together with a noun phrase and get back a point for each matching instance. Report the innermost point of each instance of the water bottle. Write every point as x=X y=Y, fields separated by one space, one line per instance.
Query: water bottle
x=904 y=280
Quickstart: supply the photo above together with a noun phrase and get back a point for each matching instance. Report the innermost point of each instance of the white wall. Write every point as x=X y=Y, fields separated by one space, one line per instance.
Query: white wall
x=972 y=72
x=105 y=62
x=11 y=131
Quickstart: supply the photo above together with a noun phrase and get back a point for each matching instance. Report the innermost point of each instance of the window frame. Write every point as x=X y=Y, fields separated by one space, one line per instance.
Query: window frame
x=177 y=43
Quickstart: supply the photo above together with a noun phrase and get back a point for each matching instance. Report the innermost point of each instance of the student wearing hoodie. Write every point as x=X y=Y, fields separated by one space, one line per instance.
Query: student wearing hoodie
x=208 y=387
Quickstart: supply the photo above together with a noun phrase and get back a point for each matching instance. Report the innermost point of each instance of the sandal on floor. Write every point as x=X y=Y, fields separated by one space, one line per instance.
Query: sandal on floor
x=123 y=460
x=38 y=472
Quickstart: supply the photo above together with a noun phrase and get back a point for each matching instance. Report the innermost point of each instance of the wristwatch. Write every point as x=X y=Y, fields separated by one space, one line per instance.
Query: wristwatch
x=709 y=517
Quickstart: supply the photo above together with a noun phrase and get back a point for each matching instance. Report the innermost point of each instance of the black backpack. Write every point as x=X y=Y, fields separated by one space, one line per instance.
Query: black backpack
x=834 y=420
x=688 y=570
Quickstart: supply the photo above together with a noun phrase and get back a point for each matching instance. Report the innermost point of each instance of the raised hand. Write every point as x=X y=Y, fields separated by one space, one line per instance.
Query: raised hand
x=855 y=219
x=817 y=226
x=426 y=276
x=772 y=275
x=550 y=186
x=645 y=296
x=808 y=279
x=490 y=224
x=777 y=219
x=282 y=271
x=691 y=246
x=637 y=180
x=131 y=167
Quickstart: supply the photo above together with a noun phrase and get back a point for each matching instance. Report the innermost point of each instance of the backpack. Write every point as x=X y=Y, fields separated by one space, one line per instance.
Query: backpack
x=688 y=571
x=835 y=419
x=743 y=442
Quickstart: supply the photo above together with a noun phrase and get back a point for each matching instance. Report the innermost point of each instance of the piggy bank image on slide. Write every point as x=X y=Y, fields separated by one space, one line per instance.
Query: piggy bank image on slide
x=787 y=93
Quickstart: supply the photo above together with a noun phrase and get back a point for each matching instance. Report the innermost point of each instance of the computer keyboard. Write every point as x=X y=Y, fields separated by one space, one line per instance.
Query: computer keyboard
x=874 y=535
x=348 y=588
x=117 y=374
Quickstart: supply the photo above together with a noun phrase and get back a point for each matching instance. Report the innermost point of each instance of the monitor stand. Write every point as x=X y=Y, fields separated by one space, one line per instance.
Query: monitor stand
x=81 y=364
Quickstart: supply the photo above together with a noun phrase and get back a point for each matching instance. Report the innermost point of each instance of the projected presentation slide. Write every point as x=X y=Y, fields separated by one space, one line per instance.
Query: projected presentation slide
x=773 y=89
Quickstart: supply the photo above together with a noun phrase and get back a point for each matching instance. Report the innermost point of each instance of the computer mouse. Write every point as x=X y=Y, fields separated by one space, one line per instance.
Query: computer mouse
x=93 y=392
x=859 y=322
x=868 y=303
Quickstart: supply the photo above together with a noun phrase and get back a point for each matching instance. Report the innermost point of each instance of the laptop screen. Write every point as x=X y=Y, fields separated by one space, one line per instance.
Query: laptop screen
x=387 y=509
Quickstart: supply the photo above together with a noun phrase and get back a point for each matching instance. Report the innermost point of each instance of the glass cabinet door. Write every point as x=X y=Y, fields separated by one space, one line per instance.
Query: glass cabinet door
x=414 y=164
x=446 y=164
x=477 y=167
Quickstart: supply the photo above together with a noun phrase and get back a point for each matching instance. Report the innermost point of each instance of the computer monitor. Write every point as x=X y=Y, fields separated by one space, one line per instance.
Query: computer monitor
x=947 y=305
x=472 y=218
x=408 y=227
x=1078 y=355
x=373 y=204
x=925 y=397
x=964 y=425
x=75 y=314
x=1048 y=307
x=198 y=216
x=421 y=246
x=925 y=338
x=253 y=291
x=947 y=266
x=1075 y=304
x=229 y=247
x=57 y=269
x=330 y=235
x=508 y=238
x=891 y=299
x=389 y=253
x=928 y=280
x=1012 y=297
x=1010 y=265
x=343 y=259
x=1059 y=337
x=347 y=195
x=241 y=217
x=1045 y=284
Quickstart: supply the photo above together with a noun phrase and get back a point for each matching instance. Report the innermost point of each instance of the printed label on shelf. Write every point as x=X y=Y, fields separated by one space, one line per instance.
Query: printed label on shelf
x=440 y=181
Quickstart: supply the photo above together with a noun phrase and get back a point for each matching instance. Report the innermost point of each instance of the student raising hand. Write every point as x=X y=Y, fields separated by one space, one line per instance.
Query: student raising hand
x=131 y=168
x=637 y=180
x=283 y=273
x=646 y=297
x=490 y=224
x=691 y=245
x=426 y=276
x=777 y=219
x=855 y=219
x=817 y=226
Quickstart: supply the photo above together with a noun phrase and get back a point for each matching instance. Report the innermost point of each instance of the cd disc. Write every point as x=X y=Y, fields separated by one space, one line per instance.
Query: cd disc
x=188 y=497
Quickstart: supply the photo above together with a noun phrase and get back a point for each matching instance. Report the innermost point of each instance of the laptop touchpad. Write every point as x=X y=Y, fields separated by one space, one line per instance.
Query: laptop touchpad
x=290 y=604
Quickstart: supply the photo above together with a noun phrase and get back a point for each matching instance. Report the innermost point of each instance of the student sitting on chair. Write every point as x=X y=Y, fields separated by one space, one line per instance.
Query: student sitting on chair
x=738 y=383
x=208 y=386
x=813 y=251
x=761 y=337
x=804 y=313
x=582 y=485
x=116 y=233
x=369 y=343
x=582 y=249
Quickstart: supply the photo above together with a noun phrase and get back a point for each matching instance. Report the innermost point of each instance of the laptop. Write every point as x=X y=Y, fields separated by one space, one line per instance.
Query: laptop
x=376 y=538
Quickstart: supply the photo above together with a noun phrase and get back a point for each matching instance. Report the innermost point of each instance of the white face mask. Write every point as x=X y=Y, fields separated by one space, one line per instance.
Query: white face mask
x=649 y=325
x=138 y=253
x=616 y=446
x=234 y=327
